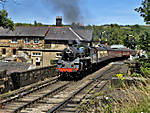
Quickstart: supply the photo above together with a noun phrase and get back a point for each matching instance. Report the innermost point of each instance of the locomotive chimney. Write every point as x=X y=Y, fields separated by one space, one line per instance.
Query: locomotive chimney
x=58 y=20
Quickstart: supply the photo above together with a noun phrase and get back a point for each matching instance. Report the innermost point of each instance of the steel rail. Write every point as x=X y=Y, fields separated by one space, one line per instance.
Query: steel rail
x=94 y=96
x=39 y=98
x=23 y=93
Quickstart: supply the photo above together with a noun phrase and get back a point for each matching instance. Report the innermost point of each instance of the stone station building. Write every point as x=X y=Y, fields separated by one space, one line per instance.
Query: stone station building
x=40 y=46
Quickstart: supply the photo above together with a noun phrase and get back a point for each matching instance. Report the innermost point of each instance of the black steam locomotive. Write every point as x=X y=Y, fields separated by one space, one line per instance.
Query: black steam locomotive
x=76 y=58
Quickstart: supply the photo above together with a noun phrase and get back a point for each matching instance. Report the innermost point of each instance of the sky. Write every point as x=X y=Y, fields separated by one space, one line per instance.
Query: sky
x=92 y=12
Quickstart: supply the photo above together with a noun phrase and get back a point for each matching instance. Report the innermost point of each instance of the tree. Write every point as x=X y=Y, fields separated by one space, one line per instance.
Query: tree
x=6 y=22
x=37 y=23
x=130 y=41
x=114 y=26
x=144 y=41
x=144 y=11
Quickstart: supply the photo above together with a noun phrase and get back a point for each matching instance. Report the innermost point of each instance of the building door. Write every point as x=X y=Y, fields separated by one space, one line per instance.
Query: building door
x=14 y=51
x=4 y=51
x=38 y=63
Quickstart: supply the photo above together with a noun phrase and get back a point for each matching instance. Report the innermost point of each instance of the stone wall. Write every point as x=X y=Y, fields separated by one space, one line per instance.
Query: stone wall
x=4 y=81
x=20 y=79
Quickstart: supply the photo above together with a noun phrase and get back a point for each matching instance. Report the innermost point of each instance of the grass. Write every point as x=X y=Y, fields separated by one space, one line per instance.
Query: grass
x=141 y=107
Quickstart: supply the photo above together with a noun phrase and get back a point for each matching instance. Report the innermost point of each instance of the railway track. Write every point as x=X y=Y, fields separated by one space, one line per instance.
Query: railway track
x=51 y=101
x=16 y=93
x=70 y=104
x=58 y=96
x=28 y=97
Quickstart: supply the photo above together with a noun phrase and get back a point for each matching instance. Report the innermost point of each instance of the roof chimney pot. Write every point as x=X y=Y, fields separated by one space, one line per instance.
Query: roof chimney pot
x=58 y=20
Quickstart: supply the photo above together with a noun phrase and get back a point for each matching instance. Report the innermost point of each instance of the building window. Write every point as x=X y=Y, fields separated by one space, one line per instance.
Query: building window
x=3 y=51
x=14 y=40
x=26 y=40
x=58 y=55
x=14 y=51
x=37 y=63
x=36 y=54
x=36 y=40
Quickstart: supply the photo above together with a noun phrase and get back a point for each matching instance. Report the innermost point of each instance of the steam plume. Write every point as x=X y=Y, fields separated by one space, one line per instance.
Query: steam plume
x=69 y=8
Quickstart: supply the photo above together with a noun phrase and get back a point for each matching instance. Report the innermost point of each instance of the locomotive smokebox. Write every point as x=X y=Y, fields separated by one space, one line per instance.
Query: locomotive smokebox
x=58 y=20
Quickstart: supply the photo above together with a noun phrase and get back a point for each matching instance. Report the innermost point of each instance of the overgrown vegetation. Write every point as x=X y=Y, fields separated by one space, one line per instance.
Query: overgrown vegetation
x=141 y=68
x=128 y=99
x=141 y=107
x=145 y=67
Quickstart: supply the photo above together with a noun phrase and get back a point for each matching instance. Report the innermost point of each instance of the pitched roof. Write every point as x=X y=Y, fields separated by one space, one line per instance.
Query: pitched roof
x=25 y=31
x=67 y=33
x=50 y=33
x=86 y=34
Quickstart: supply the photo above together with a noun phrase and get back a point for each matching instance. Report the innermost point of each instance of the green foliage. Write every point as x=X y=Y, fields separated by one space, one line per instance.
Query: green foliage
x=51 y=61
x=144 y=68
x=130 y=41
x=144 y=41
x=26 y=24
x=145 y=71
x=37 y=24
x=6 y=22
x=144 y=10
x=107 y=104
x=136 y=26
x=114 y=26
x=135 y=75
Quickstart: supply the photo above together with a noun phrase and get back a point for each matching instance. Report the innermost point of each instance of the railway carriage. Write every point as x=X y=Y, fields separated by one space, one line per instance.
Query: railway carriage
x=120 y=51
